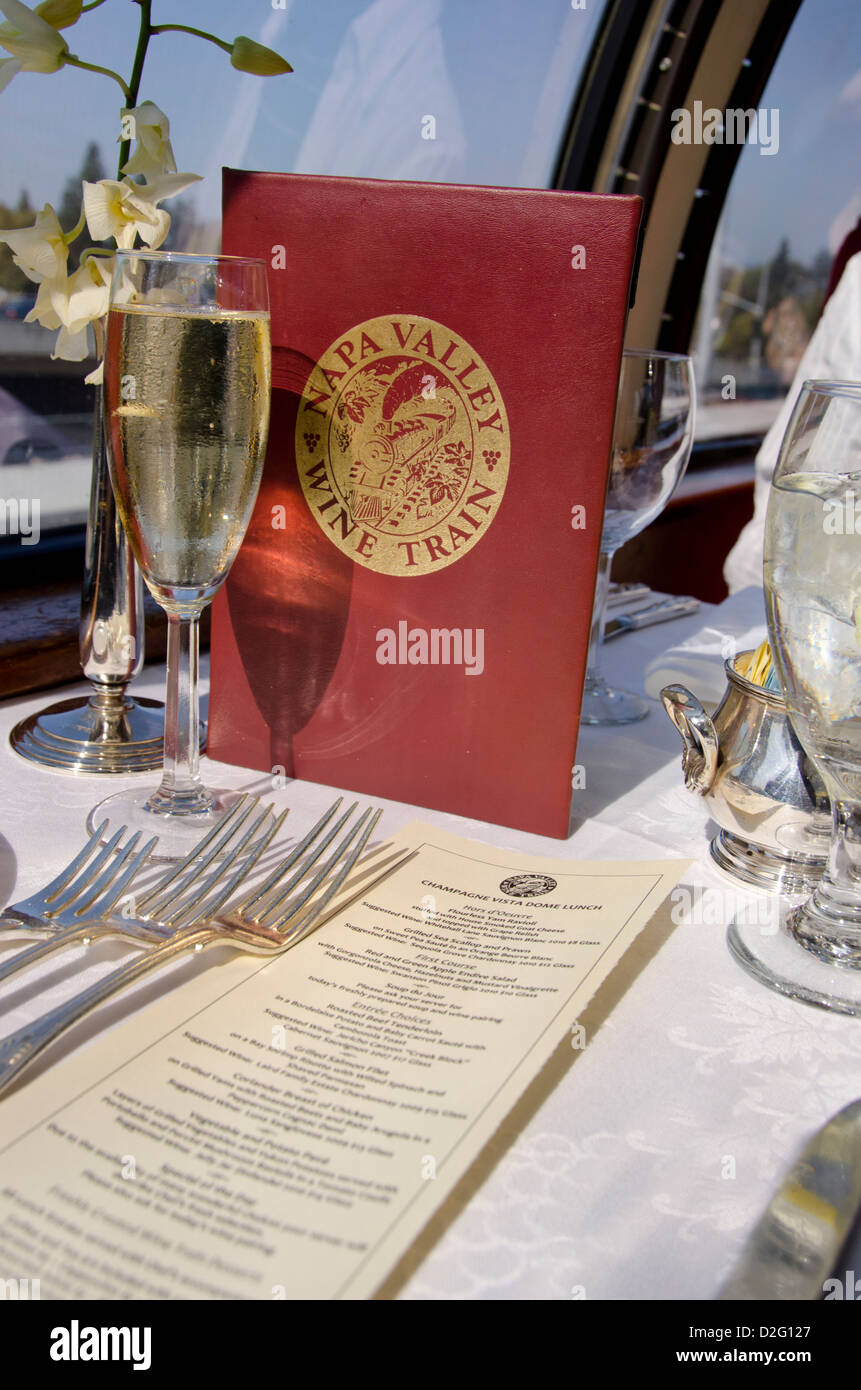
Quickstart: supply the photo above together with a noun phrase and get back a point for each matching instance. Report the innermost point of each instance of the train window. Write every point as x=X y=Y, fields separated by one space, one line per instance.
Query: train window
x=446 y=91
x=794 y=196
x=437 y=90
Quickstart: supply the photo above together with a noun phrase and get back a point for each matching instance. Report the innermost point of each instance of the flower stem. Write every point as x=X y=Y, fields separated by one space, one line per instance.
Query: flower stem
x=98 y=327
x=187 y=29
x=137 y=70
x=94 y=5
x=71 y=61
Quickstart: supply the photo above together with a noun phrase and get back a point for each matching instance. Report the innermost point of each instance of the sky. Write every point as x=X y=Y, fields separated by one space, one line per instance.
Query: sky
x=816 y=174
x=479 y=65
x=497 y=77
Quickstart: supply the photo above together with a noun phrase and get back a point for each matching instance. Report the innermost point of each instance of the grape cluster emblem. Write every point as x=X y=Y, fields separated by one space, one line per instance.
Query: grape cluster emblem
x=402 y=445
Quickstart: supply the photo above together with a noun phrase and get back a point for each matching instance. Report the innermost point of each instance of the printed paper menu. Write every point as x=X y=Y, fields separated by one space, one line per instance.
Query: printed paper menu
x=285 y=1127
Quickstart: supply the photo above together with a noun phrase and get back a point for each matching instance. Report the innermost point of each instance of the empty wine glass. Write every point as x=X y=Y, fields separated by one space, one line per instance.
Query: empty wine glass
x=812 y=576
x=186 y=399
x=652 y=437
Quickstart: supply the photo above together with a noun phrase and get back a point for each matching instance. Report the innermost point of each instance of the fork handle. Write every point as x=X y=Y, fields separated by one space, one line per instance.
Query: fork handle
x=45 y=948
x=19 y=1049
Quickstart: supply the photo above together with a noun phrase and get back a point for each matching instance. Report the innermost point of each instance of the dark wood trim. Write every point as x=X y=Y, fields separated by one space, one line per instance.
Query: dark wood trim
x=39 y=636
x=595 y=101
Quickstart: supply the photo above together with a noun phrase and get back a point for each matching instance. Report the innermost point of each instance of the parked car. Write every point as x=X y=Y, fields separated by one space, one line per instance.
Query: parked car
x=24 y=435
x=17 y=306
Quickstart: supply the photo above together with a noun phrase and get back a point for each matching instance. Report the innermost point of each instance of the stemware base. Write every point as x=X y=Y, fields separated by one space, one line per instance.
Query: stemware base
x=601 y=705
x=177 y=834
x=764 y=868
x=773 y=956
x=94 y=735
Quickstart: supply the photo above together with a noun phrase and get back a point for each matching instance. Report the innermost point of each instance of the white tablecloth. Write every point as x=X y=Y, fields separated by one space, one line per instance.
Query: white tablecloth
x=635 y=1166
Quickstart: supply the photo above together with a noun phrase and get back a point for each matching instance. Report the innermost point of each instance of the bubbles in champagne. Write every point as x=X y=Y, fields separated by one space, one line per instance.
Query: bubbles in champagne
x=187 y=447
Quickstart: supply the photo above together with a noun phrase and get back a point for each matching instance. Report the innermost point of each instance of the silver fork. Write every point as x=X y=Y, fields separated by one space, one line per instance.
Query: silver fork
x=77 y=905
x=271 y=919
x=40 y=912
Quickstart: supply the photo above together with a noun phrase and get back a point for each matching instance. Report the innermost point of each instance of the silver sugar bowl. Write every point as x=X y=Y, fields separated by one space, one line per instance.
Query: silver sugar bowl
x=762 y=789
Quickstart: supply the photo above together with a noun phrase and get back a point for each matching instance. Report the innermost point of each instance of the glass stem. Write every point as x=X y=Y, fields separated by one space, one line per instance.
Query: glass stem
x=830 y=922
x=181 y=791
x=843 y=876
x=599 y=613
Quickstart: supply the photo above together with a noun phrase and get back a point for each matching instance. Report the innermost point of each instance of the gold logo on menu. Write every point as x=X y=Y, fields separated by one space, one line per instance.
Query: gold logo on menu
x=402 y=445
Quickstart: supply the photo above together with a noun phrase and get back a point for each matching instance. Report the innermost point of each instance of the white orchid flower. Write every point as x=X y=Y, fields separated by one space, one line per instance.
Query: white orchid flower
x=83 y=299
x=43 y=311
x=71 y=343
x=125 y=210
x=150 y=127
x=84 y=295
x=40 y=250
x=34 y=44
x=71 y=302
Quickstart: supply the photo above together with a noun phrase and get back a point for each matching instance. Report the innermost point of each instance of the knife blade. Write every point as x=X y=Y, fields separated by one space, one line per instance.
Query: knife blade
x=796 y=1243
x=623 y=594
x=658 y=613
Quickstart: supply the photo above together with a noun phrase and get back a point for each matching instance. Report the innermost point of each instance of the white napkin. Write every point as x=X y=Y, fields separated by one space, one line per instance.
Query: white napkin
x=698 y=662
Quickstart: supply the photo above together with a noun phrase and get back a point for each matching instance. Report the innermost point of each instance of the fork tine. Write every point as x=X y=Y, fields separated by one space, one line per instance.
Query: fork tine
x=280 y=912
x=108 y=888
x=73 y=890
x=198 y=859
x=317 y=916
x=197 y=906
x=256 y=897
x=278 y=873
x=342 y=861
x=68 y=873
x=201 y=906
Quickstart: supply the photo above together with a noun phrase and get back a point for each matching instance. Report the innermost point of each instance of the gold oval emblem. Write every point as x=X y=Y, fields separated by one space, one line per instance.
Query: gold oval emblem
x=402 y=445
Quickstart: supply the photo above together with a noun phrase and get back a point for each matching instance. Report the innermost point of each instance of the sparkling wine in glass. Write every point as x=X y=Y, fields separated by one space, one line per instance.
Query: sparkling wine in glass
x=652 y=437
x=812 y=576
x=187 y=394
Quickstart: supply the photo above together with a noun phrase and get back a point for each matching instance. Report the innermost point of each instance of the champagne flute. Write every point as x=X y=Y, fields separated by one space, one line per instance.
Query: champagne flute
x=652 y=437
x=812 y=576
x=187 y=393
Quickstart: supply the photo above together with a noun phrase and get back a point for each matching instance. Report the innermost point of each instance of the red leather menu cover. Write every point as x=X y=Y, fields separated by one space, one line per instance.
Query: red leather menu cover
x=409 y=614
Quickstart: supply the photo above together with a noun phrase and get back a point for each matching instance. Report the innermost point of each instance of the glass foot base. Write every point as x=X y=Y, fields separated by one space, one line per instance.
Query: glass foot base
x=177 y=834
x=769 y=953
x=601 y=705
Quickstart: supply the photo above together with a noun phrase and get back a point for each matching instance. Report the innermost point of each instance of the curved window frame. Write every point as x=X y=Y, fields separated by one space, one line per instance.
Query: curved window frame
x=660 y=58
